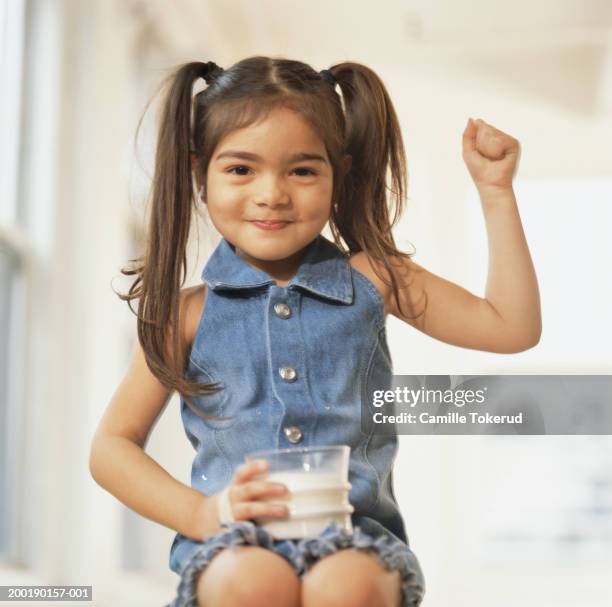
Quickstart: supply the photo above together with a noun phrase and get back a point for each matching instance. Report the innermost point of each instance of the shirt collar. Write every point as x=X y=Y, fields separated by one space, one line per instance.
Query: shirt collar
x=324 y=270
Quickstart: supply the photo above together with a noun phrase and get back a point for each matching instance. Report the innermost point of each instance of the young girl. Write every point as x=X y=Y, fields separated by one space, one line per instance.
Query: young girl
x=280 y=345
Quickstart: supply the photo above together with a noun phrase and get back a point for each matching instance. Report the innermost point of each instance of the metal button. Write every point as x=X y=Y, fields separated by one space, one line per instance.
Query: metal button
x=293 y=434
x=282 y=310
x=288 y=373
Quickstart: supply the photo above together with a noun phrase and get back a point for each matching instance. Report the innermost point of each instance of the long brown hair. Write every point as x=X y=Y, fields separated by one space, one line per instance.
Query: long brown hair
x=362 y=124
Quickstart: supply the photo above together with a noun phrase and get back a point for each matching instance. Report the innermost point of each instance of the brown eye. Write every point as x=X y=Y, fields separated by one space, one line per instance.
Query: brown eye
x=237 y=167
x=310 y=171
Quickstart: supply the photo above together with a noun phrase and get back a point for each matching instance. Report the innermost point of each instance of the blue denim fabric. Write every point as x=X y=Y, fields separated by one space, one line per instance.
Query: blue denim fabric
x=302 y=554
x=335 y=340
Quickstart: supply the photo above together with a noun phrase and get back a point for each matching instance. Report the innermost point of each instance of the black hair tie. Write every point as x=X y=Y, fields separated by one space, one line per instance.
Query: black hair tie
x=211 y=71
x=329 y=77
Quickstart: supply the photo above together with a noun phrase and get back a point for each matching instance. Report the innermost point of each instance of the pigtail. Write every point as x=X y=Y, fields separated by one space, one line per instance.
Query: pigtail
x=373 y=138
x=161 y=271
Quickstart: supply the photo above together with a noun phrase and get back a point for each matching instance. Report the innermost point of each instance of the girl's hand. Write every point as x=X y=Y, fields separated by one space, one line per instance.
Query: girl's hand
x=243 y=494
x=491 y=155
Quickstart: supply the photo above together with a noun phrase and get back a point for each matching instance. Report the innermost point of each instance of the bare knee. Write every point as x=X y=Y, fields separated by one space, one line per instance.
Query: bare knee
x=350 y=578
x=248 y=576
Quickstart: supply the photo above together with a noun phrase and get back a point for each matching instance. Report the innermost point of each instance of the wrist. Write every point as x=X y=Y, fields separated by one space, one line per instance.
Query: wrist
x=495 y=192
x=496 y=197
x=205 y=520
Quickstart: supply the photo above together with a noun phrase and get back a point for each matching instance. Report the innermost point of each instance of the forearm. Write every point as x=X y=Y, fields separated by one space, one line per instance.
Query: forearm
x=512 y=287
x=124 y=469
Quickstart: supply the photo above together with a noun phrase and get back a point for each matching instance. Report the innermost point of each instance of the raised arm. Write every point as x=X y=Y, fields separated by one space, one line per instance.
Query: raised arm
x=508 y=318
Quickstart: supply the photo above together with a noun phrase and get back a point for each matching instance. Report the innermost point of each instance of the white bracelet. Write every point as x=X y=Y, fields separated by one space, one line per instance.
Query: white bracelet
x=225 y=507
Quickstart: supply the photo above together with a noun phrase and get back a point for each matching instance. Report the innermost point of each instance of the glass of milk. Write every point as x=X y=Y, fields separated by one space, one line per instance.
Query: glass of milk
x=318 y=487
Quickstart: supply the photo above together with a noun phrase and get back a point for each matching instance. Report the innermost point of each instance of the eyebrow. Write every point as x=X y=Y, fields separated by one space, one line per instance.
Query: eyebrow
x=300 y=156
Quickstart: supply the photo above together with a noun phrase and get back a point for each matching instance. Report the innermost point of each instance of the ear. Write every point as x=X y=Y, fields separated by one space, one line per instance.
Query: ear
x=194 y=169
x=201 y=195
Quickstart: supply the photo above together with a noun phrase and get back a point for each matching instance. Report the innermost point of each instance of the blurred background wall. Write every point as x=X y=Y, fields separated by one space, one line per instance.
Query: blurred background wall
x=494 y=520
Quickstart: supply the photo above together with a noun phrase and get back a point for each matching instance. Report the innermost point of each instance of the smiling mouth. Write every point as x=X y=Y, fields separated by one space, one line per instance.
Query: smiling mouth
x=269 y=220
x=270 y=225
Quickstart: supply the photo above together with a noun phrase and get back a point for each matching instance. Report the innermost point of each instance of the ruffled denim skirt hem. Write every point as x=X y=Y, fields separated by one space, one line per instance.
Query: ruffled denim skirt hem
x=302 y=554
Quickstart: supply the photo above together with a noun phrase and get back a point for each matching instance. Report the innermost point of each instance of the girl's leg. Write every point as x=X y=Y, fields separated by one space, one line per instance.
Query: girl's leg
x=248 y=576
x=351 y=578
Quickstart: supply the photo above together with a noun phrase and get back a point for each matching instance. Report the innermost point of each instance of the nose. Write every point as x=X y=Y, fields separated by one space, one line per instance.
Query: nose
x=272 y=194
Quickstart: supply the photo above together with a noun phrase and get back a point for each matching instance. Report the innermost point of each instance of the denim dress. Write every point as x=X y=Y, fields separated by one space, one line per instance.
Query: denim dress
x=296 y=365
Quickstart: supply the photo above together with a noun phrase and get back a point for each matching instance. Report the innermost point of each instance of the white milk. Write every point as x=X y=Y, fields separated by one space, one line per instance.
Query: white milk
x=314 y=500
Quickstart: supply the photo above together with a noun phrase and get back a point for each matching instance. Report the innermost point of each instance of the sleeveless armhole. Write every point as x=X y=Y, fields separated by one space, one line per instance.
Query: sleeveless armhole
x=367 y=276
x=375 y=295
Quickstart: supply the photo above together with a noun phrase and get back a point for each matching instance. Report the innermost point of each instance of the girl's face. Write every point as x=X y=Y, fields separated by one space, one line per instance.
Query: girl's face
x=276 y=170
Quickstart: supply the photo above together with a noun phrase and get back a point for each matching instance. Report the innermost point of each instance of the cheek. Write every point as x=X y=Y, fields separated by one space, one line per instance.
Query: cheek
x=224 y=200
x=318 y=198
x=318 y=206
x=217 y=187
